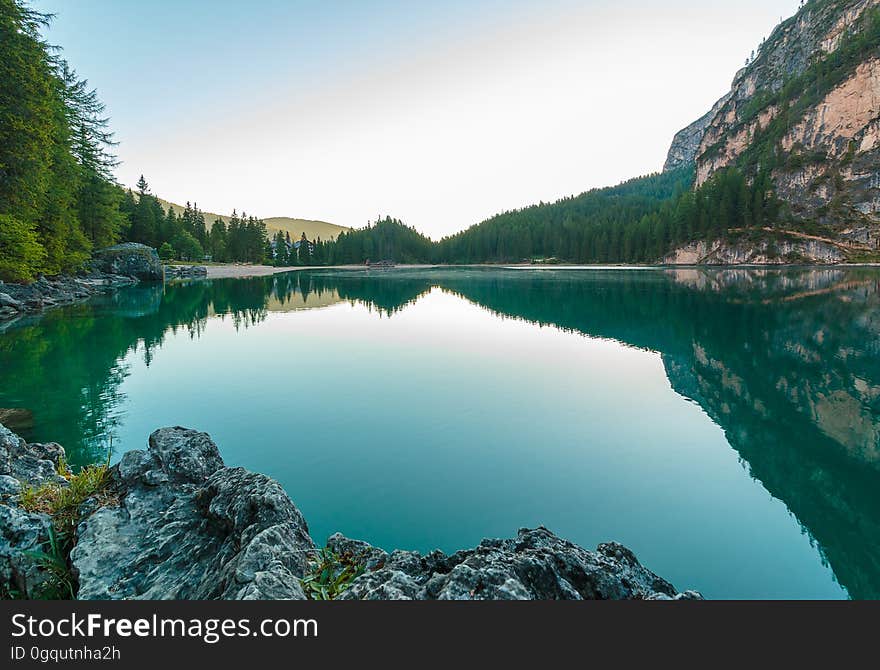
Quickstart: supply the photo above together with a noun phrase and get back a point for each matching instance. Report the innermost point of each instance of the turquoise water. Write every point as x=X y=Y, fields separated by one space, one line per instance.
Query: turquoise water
x=722 y=424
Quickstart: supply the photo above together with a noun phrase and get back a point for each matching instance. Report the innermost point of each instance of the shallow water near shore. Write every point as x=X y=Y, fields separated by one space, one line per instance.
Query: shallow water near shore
x=721 y=423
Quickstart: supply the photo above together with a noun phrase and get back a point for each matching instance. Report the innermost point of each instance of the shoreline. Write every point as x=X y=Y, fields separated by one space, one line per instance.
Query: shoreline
x=18 y=300
x=244 y=271
x=174 y=522
x=234 y=271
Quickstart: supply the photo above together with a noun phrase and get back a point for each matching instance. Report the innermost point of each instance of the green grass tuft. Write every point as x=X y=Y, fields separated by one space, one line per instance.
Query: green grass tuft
x=62 y=503
x=330 y=574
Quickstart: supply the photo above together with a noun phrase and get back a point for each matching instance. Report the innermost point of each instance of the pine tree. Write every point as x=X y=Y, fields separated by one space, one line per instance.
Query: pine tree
x=21 y=254
x=305 y=254
x=27 y=119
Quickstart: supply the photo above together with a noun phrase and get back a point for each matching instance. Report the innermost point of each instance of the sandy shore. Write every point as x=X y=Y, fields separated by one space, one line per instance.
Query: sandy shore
x=223 y=271
x=227 y=271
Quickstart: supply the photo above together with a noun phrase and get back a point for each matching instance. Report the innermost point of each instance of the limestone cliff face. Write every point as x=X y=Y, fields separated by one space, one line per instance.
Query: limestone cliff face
x=686 y=142
x=761 y=252
x=811 y=100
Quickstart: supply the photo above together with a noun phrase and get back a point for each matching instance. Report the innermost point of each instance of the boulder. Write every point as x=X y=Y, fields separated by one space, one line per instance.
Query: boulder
x=536 y=565
x=35 y=464
x=187 y=527
x=131 y=260
x=22 y=533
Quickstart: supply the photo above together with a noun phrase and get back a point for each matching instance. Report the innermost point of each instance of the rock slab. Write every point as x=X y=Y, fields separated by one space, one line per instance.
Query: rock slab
x=189 y=528
x=535 y=565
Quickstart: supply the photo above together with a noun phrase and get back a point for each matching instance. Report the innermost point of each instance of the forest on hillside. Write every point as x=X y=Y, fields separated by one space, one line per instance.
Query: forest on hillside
x=638 y=221
x=58 y=197
x=59 y=200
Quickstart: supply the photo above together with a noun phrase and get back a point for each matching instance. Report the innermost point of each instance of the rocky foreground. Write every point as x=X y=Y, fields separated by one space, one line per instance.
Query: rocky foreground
x=179 y=524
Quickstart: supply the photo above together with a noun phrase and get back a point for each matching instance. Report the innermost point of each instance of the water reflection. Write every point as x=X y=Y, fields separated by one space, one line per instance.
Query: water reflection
x=785 y=362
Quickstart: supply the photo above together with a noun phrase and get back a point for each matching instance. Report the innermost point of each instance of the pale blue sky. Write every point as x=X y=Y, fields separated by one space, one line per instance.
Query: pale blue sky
x=439 y=113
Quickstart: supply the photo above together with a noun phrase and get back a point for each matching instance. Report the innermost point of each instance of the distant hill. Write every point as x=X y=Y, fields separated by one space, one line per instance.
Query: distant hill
x=296 y=227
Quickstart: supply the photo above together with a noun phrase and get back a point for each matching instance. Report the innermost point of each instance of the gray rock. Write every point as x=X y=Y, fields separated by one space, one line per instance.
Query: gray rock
x=21 y=533
x=32 y=463
x=8 y=301
x=362 y=552
x=536 y=565
x=131 y=260
x=190 y=528
x=10 y=487
x=686 y=143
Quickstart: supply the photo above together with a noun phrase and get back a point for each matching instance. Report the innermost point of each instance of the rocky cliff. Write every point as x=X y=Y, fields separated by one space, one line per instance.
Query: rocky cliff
x=173 y=522
x=687 y=141
x=771 y=249
x=805 y=110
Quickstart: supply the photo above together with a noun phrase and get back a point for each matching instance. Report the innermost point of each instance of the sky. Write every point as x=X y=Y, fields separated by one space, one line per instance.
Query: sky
x=438 y=113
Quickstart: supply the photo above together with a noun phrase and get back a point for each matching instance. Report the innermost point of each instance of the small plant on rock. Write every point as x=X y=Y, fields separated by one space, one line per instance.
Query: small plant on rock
x=330 y=574
x=60 y=583
x=62 y=502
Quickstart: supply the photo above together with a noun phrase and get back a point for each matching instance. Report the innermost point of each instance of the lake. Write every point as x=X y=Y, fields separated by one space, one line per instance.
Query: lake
x=724 y=424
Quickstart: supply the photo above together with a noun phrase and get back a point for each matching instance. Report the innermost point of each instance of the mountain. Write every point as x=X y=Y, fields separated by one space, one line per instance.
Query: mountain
x=784 y=168
x=805 y=111
x=296 y=227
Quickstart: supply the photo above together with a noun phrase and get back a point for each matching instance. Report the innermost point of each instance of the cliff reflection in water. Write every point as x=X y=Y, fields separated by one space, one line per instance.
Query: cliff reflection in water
x=786 y=362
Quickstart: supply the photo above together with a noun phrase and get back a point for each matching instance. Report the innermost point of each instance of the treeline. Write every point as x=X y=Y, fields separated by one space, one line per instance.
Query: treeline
x=285 y=252
x=384 y=239
x=187 y=236
x=638 y=221
x=57 y=198
x=601 y=225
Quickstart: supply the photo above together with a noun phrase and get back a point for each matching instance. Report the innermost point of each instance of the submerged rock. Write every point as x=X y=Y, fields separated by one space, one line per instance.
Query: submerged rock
x=131 y=260
x=185 y=526
x=536 y=565
x=16 y=418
